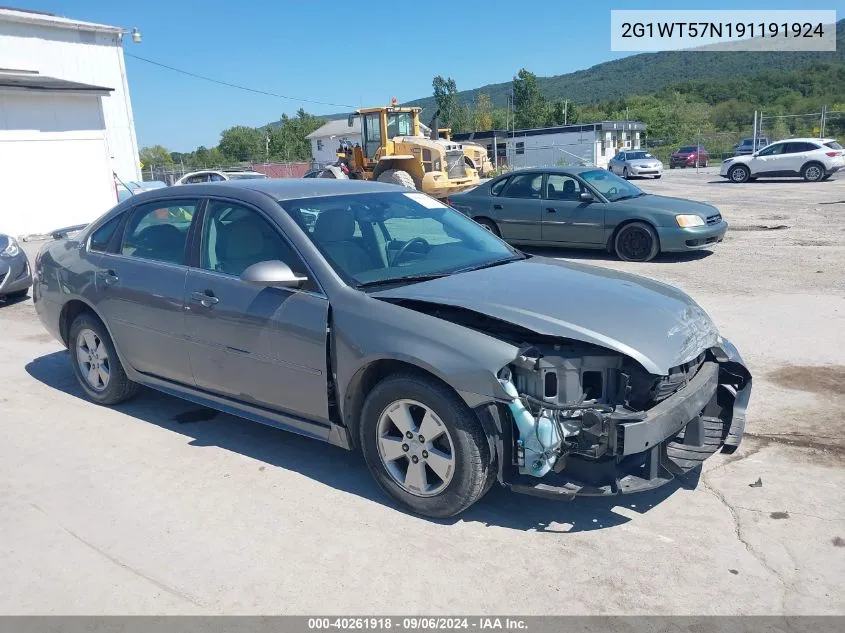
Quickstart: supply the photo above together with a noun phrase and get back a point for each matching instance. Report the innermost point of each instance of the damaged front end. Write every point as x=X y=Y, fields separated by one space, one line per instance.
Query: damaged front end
x=585 y=420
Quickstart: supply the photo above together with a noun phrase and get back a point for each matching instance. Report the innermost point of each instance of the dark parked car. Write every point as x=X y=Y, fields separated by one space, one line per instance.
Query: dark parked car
x=747 y=145
x=15 y=276
x=394 y=325
x=586 y=207
x=689 y=156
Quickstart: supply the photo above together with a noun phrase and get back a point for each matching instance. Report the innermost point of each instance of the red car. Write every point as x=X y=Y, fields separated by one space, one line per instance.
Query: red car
x=686 y=157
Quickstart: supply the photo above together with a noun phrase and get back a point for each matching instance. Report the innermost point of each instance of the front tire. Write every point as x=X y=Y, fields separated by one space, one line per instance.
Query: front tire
x=812 y=172
x=489 y=225
x=95 y=362
x=424 y=446
x=739 y=174
x=397 y=177
x=636 y=242
x=625 y=173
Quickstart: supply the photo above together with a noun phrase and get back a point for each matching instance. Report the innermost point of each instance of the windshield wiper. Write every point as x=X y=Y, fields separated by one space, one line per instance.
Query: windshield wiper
x=628 y=197
x=406 y=279
x=497 y=262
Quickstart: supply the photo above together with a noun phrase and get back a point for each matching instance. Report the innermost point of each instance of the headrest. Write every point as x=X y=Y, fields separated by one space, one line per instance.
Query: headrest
x=241 y=240
x=334 y=225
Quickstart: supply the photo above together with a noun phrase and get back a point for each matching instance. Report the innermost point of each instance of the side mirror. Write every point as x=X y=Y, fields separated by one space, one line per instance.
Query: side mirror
x=350 y=120
x=586 y=196
x=754 y=155
x=272 y=273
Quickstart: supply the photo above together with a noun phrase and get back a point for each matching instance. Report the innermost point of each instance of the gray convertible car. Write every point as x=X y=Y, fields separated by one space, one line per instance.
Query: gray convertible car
x=376 y=318
x=586 y=207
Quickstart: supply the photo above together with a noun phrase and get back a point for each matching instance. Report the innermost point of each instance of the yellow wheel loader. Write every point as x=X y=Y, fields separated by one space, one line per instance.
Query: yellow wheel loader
x=476 y=152
x=395 y=151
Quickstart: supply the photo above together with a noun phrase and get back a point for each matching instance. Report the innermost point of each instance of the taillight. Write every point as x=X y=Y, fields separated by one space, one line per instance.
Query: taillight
x=832 y=154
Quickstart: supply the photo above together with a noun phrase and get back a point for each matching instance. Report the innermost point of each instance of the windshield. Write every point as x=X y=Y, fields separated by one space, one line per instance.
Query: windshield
x=610 y=185
x=375 y=239
x=688 y=150
x=638 y=155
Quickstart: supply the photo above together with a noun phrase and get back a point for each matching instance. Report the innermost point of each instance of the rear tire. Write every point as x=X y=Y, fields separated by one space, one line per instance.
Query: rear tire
x=812 y=172
x=457 y=427
x=739 y=174
x=636 y=242
x=489 y=225
x=397 y=177
x=91 y=347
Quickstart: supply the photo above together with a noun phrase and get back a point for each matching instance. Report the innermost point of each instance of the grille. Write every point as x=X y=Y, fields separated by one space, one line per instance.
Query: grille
x=677 y=378
x=455 y=166
x=714 y=219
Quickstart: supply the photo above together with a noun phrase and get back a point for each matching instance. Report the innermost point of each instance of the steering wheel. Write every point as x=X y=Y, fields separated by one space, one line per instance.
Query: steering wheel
x=401 y=252
x=611 y=192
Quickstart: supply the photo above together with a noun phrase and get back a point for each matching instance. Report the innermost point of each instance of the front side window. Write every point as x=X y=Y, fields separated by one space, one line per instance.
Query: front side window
x=159 y=230
x=524 y=186
x=100 y=239
x=561 y=187
x=773 y=150
x=235 y=237
x=610 y=185
x=374 y=239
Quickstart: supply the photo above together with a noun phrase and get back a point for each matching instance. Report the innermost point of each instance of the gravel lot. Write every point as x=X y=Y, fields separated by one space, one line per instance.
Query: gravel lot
x=153 y=508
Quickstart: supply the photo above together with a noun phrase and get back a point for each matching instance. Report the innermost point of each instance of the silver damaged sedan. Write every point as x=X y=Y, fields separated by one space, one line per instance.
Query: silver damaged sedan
x=378 y=319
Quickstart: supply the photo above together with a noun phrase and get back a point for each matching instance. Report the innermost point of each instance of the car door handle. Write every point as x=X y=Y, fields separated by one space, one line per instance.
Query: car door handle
x=205 y=299
x=109 y=277
x=551 y=209
x=497 y=206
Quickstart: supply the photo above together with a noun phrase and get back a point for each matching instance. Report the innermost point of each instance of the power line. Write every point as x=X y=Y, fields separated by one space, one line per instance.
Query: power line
x=231 y=85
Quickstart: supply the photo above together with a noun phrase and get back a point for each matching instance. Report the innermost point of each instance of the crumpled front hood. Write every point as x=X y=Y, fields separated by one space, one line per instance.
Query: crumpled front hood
x=655 y=324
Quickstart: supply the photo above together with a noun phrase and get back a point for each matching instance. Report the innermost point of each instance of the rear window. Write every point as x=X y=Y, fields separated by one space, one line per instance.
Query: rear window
x=833 y=145
x=688 y=149
x=497 y=187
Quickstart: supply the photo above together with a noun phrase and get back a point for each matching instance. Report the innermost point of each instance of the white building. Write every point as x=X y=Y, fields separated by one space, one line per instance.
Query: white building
x=590 y=143
x=325 y=140
x=65 y=121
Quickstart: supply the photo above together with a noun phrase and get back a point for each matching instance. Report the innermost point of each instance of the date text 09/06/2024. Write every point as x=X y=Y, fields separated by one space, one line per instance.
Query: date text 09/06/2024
x=417 y=623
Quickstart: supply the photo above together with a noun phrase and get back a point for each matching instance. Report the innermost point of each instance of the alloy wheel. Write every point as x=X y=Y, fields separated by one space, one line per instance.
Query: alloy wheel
x=415 y=448
x=93 y=359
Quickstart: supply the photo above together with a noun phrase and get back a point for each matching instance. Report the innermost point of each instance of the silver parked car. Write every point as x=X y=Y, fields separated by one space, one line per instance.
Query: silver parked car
x=397 y=326
x=15 y=276
x=630 y=163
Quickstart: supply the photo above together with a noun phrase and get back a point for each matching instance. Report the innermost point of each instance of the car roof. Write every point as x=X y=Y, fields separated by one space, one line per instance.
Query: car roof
x=281 y=189
x=807 y=139
x=575 y=169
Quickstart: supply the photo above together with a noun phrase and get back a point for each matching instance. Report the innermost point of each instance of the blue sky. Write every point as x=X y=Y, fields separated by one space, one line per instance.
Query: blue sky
x=340 y=52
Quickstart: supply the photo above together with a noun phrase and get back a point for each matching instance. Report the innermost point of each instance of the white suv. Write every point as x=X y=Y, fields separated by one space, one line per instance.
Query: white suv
x=813 y=159
x=214 y=175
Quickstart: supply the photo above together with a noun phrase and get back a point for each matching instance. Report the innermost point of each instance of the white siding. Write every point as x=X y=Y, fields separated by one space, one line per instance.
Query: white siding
x=547 y=150
x=328 y=152
x=84 y=56
x=54 y=164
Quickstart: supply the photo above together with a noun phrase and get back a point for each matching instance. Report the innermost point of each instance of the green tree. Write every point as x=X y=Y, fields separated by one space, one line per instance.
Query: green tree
x=561 y=112
x=528 y=101
x=155 y=155
x=242 y=143
x=483 y=115
x=445 y=94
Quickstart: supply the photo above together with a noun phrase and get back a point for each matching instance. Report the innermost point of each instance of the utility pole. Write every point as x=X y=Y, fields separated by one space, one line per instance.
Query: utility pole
x=565 y=110
x=821 y=126
x=267 y=148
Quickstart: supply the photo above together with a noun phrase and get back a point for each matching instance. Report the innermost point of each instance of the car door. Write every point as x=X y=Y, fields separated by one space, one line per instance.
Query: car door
x=768 y=161
x=796 y=155
x=517 y=208
x=566 y=218
x=140 y=287
x=261 y=345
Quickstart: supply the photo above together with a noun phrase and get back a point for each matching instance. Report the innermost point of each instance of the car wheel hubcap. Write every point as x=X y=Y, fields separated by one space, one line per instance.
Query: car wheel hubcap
x=93 y=359
x=415 y=448
x=813 y=173
x=739 y=175
x=636 y=243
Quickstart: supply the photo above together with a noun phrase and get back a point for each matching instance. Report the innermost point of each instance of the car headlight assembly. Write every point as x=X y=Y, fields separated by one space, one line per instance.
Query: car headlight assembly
x=11 y=250
x=688 y=221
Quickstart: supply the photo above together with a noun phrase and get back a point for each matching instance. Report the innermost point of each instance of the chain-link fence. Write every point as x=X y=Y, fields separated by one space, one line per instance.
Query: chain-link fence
x=170 y=173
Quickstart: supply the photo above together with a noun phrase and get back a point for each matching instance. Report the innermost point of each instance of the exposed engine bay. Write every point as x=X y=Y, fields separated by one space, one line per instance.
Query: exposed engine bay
x=567 y=398
x=585 y=419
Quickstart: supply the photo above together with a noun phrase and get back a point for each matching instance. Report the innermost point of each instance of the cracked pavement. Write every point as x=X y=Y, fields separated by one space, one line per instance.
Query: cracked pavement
x=151 y=508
